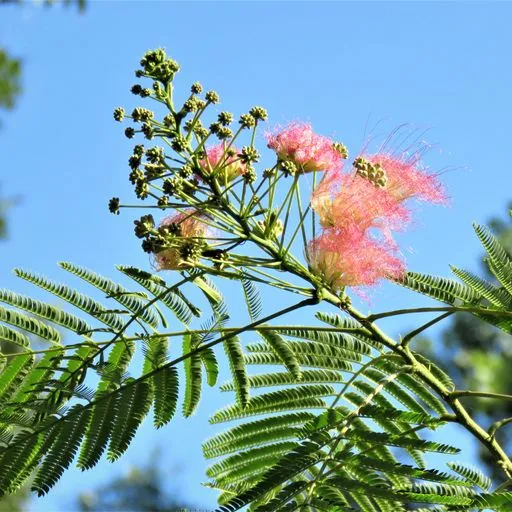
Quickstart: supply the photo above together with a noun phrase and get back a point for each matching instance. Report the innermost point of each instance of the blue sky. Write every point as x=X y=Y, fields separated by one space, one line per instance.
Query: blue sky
x=351 y=69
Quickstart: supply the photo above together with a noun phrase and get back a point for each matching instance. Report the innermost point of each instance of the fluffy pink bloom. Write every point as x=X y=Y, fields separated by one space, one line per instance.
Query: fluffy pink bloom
x=184 y=225
x=407 y=179
x=309 y=151
x=342 y=201
x=227 y=166
x=355 y=207
x=349 y=257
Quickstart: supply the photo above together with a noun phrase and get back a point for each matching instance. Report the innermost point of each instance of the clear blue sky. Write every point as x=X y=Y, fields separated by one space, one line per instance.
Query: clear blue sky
x=344 y=67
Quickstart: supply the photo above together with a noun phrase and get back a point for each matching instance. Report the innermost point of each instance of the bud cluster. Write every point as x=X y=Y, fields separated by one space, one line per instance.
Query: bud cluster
x=373 y=172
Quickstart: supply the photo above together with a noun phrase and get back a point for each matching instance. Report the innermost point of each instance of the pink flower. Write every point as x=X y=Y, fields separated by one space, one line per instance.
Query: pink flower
x=309 y=151
x=342 y=201
x=184 y=226
x=349 y=257
x=407 y=179
x=226 y=165
x=355 y=208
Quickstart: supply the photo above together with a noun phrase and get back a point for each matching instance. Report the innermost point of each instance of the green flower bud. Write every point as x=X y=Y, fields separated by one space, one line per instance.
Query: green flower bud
x=179 y=144
x=142 y=114
x=186 y=171
x=113 y=205
x=224 y=133
x=153 y=171
x=163 y=202
x=148 y=245
x=155 y=155
x=373 y=172
x=201 y=132
x=142 y=189
x=157 y=65
x=225 y=118
x=259 y=113
x=173 y=186
x=138 y=150
x=267 y=173
x=288 y=167
x=250 y=175
x=135 y=176
x=247 y=120
x=119 y=114
x=196 y=88
x=144 y=226
x=200 y=103
x=136 y=89
x=169 y=121
x=341 y=149
x=190 y=105
x=215 y=127
x=212 y=97
x=134 y=162
x=249 y=154
x=191 y=251
x=147 y=130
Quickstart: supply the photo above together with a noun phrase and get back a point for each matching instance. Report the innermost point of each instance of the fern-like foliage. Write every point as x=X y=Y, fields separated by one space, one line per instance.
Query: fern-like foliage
x=48 y=414
x=474 y=294
x=335 y=436
x=326 y=417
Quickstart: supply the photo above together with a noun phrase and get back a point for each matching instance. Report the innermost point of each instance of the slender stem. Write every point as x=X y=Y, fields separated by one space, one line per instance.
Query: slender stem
x=277 y=283
x=482 y=394
x=313 y=216
x=256 y=190
x=410 y=336
x=300 y=224
x=452 y=309
x=302 y=217
x=287 y=203
x=497 y=425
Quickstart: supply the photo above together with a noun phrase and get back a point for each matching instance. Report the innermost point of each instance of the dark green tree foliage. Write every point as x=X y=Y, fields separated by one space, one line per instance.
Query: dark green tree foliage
x=10 y=89
x=10 y=79
x=329 y=415
x=141 y=490
x=48 y=3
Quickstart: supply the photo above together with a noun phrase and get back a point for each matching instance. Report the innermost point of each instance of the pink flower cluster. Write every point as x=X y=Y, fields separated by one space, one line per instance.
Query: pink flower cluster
x=186 y=225
x=307 y=150
x=223 y=162
x=349 y=257
x=343 y=200
x=406 y=178
x=358 y=210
